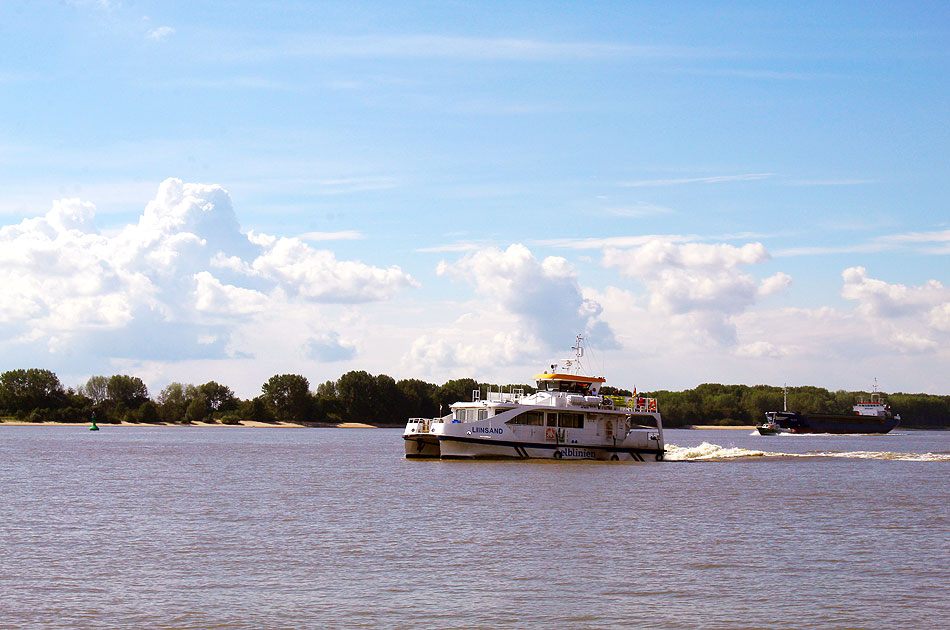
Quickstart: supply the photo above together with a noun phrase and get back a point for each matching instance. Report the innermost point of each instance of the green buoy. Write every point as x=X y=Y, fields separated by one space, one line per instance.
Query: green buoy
x=93 y=427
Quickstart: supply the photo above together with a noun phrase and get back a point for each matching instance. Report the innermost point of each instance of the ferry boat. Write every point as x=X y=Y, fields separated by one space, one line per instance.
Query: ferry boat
x=870 y=416
x=567 y=418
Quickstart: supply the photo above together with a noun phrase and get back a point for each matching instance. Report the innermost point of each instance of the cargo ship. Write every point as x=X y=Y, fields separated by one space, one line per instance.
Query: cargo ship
x=869 y=416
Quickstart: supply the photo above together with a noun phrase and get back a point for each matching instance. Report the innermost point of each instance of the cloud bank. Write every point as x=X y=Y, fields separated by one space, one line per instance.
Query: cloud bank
x=178 y=284
x=184 y=293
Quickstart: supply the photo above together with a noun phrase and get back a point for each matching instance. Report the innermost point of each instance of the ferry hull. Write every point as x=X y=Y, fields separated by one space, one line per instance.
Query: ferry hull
x=422 y=447
x=479 y=448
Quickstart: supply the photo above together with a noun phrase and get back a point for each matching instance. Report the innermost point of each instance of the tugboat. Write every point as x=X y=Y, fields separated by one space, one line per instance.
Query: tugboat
x=870 y=416
x=567 y=418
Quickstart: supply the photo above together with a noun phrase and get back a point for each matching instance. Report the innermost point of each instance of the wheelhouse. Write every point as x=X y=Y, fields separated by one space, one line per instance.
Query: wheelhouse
x=569 y=383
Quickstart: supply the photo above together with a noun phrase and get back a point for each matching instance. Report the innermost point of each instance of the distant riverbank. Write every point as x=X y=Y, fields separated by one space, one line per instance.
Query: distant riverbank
x=717 y=426
x=286 y=425
x=242 y=423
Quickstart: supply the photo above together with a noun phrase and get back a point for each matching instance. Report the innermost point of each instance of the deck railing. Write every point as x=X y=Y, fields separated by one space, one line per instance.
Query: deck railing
x=636 y=404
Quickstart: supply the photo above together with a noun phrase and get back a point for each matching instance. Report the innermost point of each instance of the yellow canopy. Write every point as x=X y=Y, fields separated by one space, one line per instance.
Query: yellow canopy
x=569 y=377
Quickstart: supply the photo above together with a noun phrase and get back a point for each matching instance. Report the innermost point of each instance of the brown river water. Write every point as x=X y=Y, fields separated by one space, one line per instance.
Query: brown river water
x=221 y=527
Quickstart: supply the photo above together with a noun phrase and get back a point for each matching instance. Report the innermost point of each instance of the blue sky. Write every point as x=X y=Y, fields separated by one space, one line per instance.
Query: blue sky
x=742 y=192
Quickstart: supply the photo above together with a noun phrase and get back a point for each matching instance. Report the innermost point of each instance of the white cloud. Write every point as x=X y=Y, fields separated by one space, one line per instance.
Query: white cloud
x=178 y=283
x=212 y=296
x=759 y=350
x=473 y=348
x=941 y=236
x=909 y=319
x=939 y=317
x=660 y=252
x=880 y=299
x=471 y=48
x=928 y=243
x=319 y=276
x=698 y=285
x=612 y=242
x=525 y=309
x=160 y=34
x=775 y=284
x=544 y=295
x=715 y=179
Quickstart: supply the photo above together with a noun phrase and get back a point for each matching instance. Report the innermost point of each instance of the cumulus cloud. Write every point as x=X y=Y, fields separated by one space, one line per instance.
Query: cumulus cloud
x=183 y=277
x=913 y=318
x=700 y=284
x=759 y=350
x=776 y=283
x=939 y=317
x=318 y=275
x=527 y=306
x=544 y=294
x=881 y=299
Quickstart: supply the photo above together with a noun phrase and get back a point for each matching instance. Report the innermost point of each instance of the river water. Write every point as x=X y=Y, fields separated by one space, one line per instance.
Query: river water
x=222 y=527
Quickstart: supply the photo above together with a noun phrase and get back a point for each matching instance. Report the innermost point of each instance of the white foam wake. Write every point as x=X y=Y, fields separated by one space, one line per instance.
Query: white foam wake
x=707 y=451
x=710 y=451
x=903 y=457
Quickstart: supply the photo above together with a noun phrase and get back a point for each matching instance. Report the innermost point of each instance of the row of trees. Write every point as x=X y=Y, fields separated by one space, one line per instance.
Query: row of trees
x=712 y=403
x=357 y=396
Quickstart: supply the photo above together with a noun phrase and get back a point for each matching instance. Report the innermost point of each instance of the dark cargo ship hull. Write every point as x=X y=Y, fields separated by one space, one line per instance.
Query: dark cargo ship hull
x=831 y=423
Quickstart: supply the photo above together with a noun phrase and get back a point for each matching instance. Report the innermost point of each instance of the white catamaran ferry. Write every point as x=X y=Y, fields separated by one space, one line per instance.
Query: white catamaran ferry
x=567 y=418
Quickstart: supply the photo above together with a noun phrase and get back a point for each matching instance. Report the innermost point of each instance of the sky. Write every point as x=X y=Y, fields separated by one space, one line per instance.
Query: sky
x=736 y=192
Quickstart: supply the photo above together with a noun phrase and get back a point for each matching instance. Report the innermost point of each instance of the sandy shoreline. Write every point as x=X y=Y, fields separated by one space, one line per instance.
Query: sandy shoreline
x=243 y=423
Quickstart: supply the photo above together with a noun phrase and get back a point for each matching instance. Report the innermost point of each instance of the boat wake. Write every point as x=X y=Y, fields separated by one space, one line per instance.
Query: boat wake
x=707 y=451
x=714 y=452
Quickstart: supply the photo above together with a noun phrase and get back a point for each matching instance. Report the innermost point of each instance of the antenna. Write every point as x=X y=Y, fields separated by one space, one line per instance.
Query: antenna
x=578 y=353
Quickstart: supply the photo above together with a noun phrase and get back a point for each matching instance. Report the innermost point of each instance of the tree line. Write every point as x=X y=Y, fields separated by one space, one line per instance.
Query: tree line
x=37 y=395
x=715 y=404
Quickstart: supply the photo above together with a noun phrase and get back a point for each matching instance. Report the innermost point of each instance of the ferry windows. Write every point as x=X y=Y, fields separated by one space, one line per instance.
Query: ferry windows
x=464 y=415
x=552 y=419
x=570 y=387
x=565 y=419
x=571 y=420
x=531 y=418
x=482 y=414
